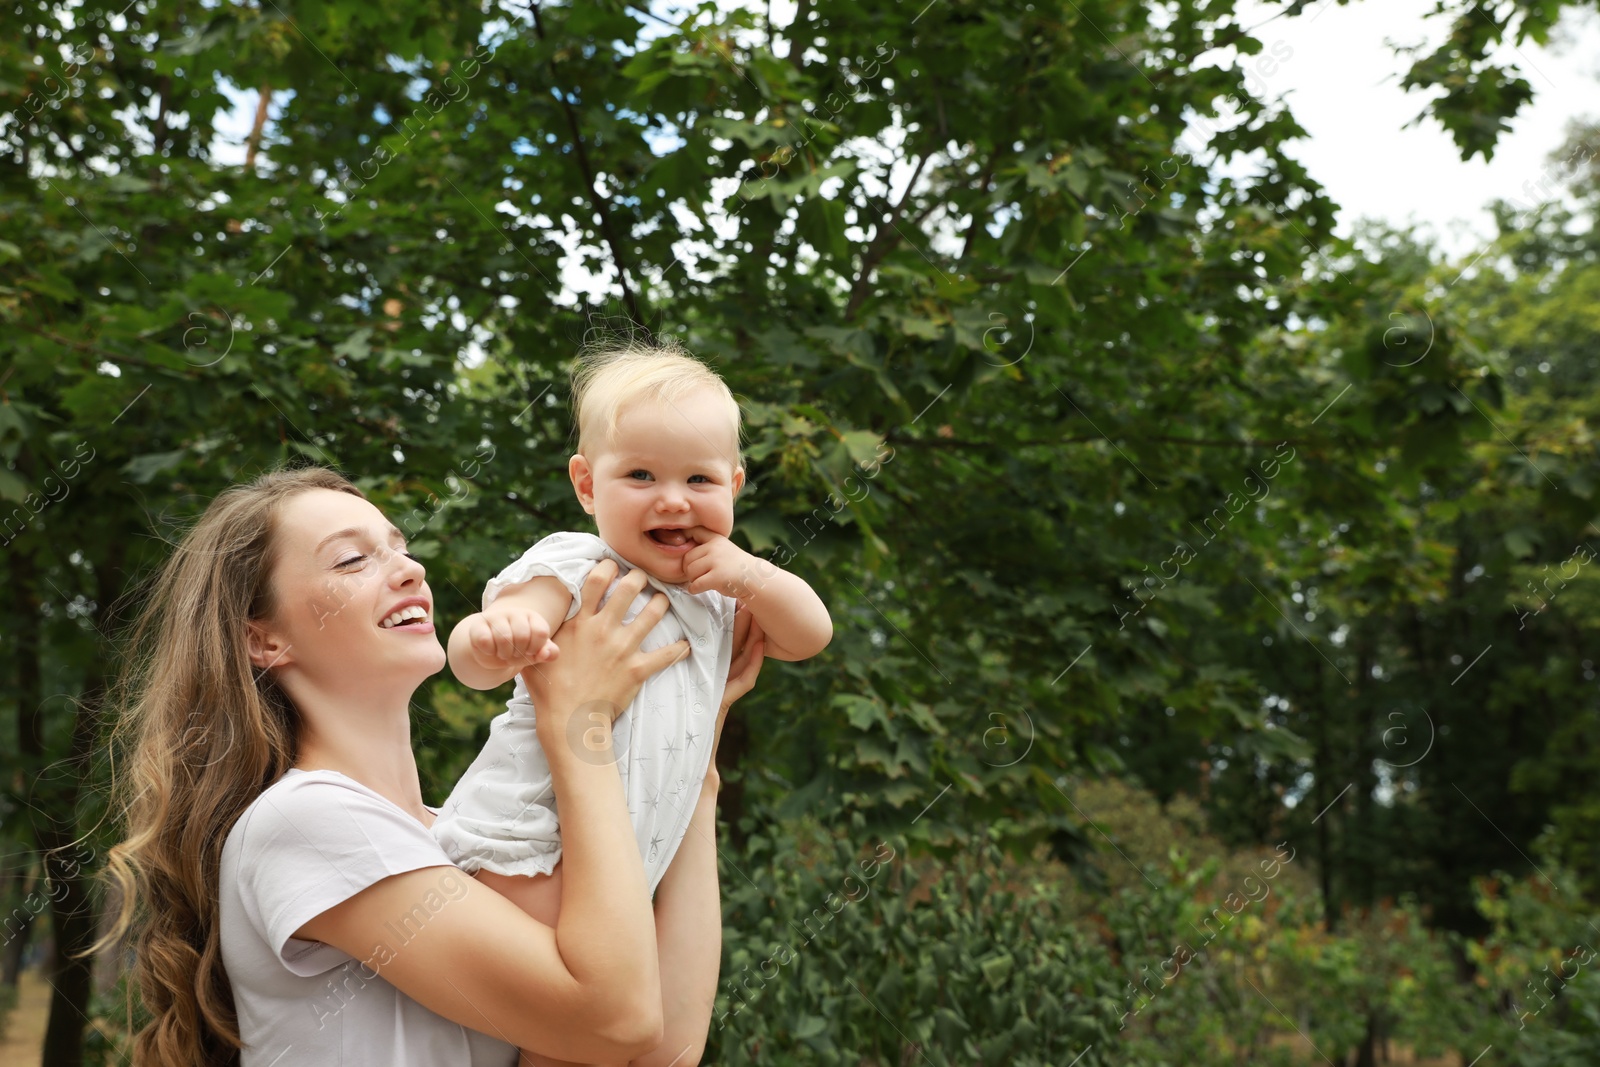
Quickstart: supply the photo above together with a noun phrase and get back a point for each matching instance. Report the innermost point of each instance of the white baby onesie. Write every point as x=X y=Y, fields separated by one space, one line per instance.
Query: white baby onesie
x=502 y=815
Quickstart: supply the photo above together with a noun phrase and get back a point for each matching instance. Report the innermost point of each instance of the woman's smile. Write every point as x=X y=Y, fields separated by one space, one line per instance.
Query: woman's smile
x=411 y=615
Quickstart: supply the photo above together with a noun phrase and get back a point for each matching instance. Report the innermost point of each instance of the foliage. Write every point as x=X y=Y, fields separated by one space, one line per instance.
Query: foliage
x=1535 y=1000
x=1011 y=325
x=964 y=961
x=840 y=948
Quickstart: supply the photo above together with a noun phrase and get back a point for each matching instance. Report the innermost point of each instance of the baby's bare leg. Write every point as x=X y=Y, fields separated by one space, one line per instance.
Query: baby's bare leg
x=540 y=896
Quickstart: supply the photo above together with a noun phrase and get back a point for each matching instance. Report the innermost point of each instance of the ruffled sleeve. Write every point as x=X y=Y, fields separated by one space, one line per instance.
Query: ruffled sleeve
x=567 y=557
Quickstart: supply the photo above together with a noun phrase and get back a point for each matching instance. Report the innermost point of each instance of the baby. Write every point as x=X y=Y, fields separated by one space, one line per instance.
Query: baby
x=658 y=467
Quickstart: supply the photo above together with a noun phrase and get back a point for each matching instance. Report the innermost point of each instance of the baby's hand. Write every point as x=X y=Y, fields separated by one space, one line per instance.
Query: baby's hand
x=509 y=639
x=717 y=563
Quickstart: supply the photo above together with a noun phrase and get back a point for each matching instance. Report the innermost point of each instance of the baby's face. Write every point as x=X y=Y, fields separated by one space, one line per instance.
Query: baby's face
x=669 y=467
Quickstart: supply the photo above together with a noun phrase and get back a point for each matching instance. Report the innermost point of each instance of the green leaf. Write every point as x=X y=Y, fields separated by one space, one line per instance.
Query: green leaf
x=146 y=468
x=355 y=346
x=12 y=487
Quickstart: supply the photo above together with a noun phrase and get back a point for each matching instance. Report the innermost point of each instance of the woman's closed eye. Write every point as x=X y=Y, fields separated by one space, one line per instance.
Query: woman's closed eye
x=353 y=560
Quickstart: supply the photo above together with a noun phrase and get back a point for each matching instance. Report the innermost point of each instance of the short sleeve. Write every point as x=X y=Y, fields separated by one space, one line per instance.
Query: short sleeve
x=313 y=841
x=567 y=557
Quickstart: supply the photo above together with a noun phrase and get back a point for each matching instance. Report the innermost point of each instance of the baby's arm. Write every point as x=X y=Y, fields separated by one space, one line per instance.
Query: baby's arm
x=488 y=648
x=791 y=614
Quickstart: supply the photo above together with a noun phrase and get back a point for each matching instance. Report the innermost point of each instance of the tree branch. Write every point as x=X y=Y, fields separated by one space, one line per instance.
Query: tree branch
x=883 y=242
x=1198 y=442
x=158 y=133
x=983 y=192
x=596 y=201
x=536 y=512
x=105 y=354
x=254 y=143
x=799 y=39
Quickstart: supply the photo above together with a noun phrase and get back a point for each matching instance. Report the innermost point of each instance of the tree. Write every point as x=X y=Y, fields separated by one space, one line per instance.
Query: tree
x=1005 y=331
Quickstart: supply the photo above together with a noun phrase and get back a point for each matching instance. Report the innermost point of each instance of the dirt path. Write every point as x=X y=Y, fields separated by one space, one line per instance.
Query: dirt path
x=25 y=1029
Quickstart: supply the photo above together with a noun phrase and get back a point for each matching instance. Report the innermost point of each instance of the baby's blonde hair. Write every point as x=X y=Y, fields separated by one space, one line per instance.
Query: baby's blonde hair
x=607 y=380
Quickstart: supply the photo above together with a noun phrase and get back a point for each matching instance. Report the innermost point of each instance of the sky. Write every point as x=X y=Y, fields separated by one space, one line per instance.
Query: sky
x=1342 y=83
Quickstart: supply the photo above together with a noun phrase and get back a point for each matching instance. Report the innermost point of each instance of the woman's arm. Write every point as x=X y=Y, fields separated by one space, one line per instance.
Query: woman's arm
x=689 y=900
x=589 y=989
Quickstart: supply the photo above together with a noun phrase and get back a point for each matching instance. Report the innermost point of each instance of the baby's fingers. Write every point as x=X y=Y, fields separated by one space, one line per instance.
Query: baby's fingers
x=530 y=640
x=480 y=635
x=701 y=574
x=497 y=639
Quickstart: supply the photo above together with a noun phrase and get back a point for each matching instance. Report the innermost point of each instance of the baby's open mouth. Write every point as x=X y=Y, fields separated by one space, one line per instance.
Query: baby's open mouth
x=673 y=538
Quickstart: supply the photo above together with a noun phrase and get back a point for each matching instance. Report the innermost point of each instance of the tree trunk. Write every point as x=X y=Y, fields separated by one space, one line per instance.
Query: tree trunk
x=1367 y=1051
x=1363 y=883
x=1321 y=770
x=74 y=920
x=72 y=911
x=253 y=145
x=731 y=750
x=18 y=927
x=55 y=794
x=63 y=1042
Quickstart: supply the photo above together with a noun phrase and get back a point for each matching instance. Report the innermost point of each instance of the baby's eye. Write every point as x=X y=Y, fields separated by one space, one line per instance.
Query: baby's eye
x=693 y=478
x=640 y=476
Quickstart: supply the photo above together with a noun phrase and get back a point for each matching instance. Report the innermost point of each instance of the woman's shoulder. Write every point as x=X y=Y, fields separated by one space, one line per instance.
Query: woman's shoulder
x=297 y=786
x=322 y=809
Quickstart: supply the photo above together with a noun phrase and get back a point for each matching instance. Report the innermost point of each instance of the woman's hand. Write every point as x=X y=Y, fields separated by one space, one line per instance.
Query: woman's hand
x=749 y=652
x=600 y=668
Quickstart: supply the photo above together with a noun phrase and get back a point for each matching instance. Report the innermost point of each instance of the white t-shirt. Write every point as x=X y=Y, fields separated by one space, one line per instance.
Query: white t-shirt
x=312 y=840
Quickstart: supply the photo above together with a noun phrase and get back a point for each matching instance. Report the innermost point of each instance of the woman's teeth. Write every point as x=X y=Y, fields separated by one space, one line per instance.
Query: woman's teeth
x=415 y=611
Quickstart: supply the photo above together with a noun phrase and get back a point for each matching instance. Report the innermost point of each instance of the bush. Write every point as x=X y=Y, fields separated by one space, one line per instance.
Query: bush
x=847 y=952
x=843 y=950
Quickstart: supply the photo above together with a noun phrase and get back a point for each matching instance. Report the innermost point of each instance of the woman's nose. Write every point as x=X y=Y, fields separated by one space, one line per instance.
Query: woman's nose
x=404 y=569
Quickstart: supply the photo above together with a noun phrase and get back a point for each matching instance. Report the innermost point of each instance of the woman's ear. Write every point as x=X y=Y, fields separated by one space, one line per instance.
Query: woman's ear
x=267 y=649
x=582 y=481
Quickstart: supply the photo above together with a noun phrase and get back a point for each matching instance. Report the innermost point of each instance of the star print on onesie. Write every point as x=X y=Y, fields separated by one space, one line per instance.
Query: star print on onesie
x=502 y=814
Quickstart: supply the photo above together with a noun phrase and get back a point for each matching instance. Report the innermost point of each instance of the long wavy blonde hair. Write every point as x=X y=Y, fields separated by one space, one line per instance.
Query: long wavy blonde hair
x=202 y=733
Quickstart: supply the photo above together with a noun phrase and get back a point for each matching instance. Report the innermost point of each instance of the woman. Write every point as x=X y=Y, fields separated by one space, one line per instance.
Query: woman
x=288 y=900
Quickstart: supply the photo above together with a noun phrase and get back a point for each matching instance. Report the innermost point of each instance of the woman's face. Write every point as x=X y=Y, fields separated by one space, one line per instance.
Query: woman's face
x=350 y=608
